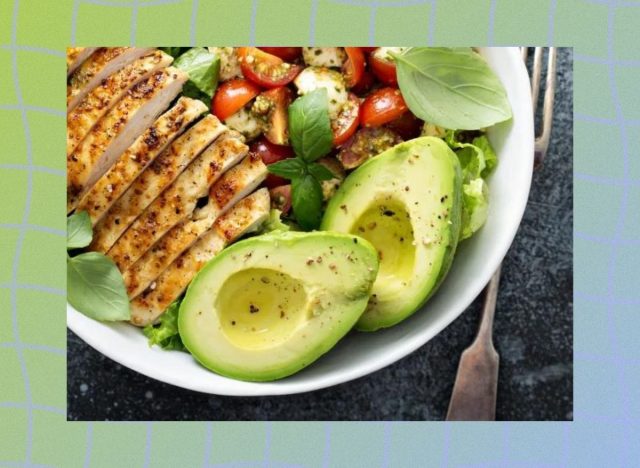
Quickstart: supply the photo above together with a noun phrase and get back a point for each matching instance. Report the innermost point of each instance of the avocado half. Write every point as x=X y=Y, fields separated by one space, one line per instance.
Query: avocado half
x=270 y=305
x=407 y=202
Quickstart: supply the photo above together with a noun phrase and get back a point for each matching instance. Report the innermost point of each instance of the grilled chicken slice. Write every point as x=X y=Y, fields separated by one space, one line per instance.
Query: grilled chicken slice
x=178 y=201
x=138 y=157
x=246 y=216
x=117 y=130
x=236 y=183
x=158 y=176
x=77 y=55
x=103 y=97
x=98 y=67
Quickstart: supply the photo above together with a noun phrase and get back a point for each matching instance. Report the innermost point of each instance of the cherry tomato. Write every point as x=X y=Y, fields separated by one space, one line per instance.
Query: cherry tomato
x=231 y=96
x=273 y=104
x=281 y=198
x=288 y=54
x=382 y=106
x=365 y=84
x=366 y=50
x=408 y=126
x=384 y=68
x=347 y=121
x=270 y=153
x=266 y=70
x=353 y=67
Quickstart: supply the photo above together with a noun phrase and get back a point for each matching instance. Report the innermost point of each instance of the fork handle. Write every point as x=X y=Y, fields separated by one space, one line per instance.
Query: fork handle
x=474 y=392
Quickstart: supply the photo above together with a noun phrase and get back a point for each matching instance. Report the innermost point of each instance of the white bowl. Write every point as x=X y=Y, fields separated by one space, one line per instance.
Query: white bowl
x=359 y=354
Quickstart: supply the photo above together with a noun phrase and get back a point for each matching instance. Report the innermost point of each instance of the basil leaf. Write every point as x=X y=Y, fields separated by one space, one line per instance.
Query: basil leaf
x=309 y=126
x=291 y=168
x=95 y=287
x=165 y=333
x=320 y=172
x=451 y=88
x=306 y=200
x=203 y=68
x=79 y=232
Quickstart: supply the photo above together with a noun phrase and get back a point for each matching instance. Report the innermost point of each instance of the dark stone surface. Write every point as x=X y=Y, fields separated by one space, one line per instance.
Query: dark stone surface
x=533 y=334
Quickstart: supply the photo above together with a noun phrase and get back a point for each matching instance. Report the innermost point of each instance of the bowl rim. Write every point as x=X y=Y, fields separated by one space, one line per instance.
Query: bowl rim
x=83 y=326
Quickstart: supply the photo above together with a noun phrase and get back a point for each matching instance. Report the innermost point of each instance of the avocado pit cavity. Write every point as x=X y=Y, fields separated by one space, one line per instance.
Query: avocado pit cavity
x=387 y=225
x=259 y=308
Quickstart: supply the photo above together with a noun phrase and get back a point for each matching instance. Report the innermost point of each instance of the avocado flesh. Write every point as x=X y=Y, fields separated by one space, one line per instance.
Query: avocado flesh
x=270 y=305
x=407 y=202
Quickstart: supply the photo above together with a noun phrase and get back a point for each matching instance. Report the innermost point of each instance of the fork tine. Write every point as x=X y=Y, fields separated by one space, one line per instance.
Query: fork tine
x=525 y=52
x=535 y=76
x=542 y=142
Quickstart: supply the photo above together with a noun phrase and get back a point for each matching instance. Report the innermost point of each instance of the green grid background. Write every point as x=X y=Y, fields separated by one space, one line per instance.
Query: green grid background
x=33 y=427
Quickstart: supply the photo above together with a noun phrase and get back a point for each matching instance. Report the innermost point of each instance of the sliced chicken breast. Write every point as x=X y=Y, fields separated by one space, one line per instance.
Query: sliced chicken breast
x=97 y=67
x=235 y=184
x=138 y=157
x=246 y=216
x=117 y=130
x=178 y=201
x=95 y=104
x=77 y=55
x=159 y=175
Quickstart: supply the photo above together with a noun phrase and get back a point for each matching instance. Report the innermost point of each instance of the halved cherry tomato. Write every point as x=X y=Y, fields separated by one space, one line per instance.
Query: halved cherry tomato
x=382 y=106
x=270 y=153
x=281 y=198
x=273 y=105
x=347 y=121
x=366 y=50
x=288 y=54
x=384 y=68
x=231 y=96
x=265 y=69
x=365 y=84
x=408 y=126
x=353 y=67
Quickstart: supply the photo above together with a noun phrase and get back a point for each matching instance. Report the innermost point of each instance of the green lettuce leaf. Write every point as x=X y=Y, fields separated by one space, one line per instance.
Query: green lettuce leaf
x=475 y=207
x=274 y=223
x=477 y=160
x=203 y=68
x=165 y=333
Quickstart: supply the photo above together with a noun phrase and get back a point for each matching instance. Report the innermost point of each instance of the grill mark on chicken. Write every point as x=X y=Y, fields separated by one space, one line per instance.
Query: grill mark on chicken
x=95 y=104
x=235 y=183
x=247 y=215
x=93 y=71
x=176 y=202
x=138 y=156
x=162 y=171
x=117 y=130
x=76 y=56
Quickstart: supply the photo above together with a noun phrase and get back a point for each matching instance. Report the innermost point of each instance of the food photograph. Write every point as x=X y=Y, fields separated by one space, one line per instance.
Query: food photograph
x=319 y=233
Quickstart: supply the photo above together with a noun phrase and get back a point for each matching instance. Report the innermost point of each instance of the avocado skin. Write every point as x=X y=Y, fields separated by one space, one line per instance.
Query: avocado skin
x=354 y=188
x=356 y=289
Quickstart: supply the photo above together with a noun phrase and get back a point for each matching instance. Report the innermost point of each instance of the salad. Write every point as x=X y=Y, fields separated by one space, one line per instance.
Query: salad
x=253 y=205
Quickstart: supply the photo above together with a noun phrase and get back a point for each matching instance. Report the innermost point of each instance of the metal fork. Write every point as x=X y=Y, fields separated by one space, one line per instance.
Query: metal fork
x=474 y=391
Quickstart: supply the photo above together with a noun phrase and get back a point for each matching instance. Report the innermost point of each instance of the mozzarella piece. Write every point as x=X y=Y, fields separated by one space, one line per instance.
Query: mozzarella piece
x=383 y=52
x=324 y=56
x=245 y=122
x=229 y=65
x=312 y=78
